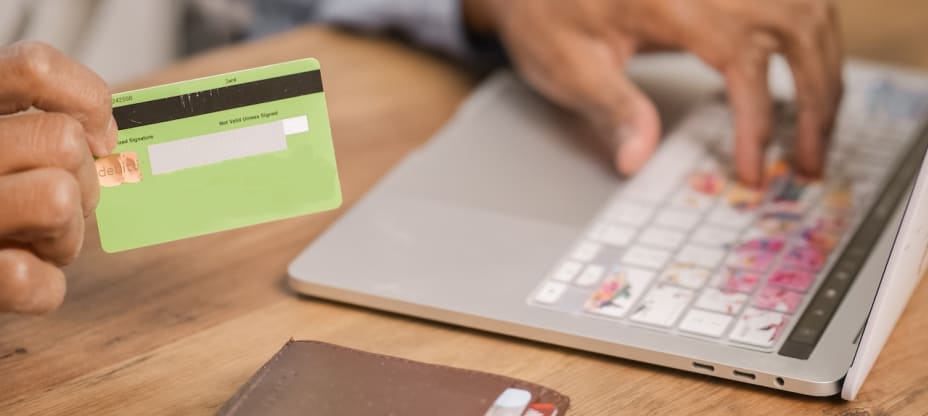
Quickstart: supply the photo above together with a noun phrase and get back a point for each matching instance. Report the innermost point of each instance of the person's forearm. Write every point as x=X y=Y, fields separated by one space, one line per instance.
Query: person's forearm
x=456 y=28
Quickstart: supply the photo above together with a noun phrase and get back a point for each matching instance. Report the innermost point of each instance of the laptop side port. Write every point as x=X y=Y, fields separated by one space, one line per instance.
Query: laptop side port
x=743 y=374
x=702 y=366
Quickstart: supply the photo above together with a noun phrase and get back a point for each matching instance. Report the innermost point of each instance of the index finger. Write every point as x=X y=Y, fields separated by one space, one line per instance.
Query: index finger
x=37 y=75
x=818 y=87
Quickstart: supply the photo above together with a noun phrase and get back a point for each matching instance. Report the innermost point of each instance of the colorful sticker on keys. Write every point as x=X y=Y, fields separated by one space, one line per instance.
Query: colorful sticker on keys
x=820 y=237
x=820 y=240
x=686 y=275
x=708 y=183
x=758 y=327
x=785 y=203
x=777 y=299
x=796 y=195
x=833 y=221
x=733 y=280
x=839 y=197
x=775 y=226
x=805 y=257
x=719 y=301
x=743 y=198
x=791 y=279
x=753 y=260
x=662 y=306
x=768 y=244
x=616 y=295
x=777 y=169
x=689 y=199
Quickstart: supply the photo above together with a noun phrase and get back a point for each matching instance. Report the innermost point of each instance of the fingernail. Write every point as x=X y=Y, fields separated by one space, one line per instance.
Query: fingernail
x=43 y=299
x=111 y=132
x=628 y=150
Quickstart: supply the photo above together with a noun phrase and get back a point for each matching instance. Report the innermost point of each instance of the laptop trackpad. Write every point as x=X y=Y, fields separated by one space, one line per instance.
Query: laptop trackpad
x=511 y=152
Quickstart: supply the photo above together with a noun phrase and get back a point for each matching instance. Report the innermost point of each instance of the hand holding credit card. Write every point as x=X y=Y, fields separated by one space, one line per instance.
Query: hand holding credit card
x=217 y=153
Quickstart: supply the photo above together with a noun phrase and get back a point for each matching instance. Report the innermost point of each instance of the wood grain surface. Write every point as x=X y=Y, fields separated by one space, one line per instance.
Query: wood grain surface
x=175 y=329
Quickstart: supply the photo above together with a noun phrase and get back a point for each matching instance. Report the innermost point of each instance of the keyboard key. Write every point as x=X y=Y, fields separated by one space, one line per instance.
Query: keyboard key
x=805 y=257
x=614 y=235
x=675 y=218
x=833 y=220
x=719 y=301
x=707 y=182
x=777 y=170
x=686 y=275
x=662 y=306
x=780 y=300
x=710 y=324
x=794 y=197
x=791 y=279
x=743 y=198
x=839 y=197
x=759 y=328
x=761 y=243
x=701 y=256
x=725 y=215
x=591 y=275
x=714 y=236
x=665 y=171
x=661 y=237
x=753 y=260
x=689 y=199
x=822 y=234
x=616 y=295
x=586 y=251
x=629 y=213
x=550 y=292
x=645 y=257
x=567 y=271
x=732 y=280
x=773 y=227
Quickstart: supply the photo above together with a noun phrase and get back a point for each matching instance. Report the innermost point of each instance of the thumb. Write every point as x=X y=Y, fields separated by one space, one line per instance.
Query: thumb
x=27 y=284
x=635 y=126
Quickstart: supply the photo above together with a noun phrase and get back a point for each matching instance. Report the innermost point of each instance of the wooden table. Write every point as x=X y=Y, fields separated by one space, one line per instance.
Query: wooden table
x=176 y=328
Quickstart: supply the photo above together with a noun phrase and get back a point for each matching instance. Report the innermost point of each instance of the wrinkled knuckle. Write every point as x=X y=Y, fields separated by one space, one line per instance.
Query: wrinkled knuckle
x=819 y=11
x=804 y=38
x=811 y=15
x=722 y=54
x=60 y=199
x=33 y=61
x=100 y=95
x=66 y=139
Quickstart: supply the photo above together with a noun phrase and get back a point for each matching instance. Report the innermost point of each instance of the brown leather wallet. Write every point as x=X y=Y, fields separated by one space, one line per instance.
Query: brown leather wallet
x=316 y=378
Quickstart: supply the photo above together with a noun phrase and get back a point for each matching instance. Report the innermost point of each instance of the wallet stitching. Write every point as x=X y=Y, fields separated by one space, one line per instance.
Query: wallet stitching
x=256 y=379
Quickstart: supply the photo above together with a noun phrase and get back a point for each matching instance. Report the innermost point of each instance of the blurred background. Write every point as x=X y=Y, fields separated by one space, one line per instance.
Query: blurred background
x=124 y=39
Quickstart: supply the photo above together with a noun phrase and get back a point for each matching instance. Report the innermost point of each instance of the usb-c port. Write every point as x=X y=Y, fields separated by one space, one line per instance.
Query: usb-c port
x=743 y=374
x=702 y=366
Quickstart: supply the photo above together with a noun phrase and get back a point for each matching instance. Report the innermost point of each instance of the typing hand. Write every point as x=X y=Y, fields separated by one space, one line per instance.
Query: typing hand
x=574 y=53
x=47 y=180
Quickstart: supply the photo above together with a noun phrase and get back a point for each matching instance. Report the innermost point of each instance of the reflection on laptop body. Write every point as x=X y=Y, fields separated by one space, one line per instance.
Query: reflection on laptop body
x=507 y=222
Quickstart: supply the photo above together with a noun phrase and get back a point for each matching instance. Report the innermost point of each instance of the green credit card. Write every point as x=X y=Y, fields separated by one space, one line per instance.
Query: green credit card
x=217 y=153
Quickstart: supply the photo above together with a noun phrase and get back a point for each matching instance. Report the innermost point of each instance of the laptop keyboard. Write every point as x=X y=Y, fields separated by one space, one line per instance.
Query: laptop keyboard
x=684 y=248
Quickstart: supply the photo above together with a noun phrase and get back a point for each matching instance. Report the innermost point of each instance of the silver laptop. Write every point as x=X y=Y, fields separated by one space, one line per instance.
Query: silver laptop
x=512 y=220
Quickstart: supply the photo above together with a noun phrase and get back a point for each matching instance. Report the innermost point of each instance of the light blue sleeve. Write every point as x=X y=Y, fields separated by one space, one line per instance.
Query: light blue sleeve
x=434 y=24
